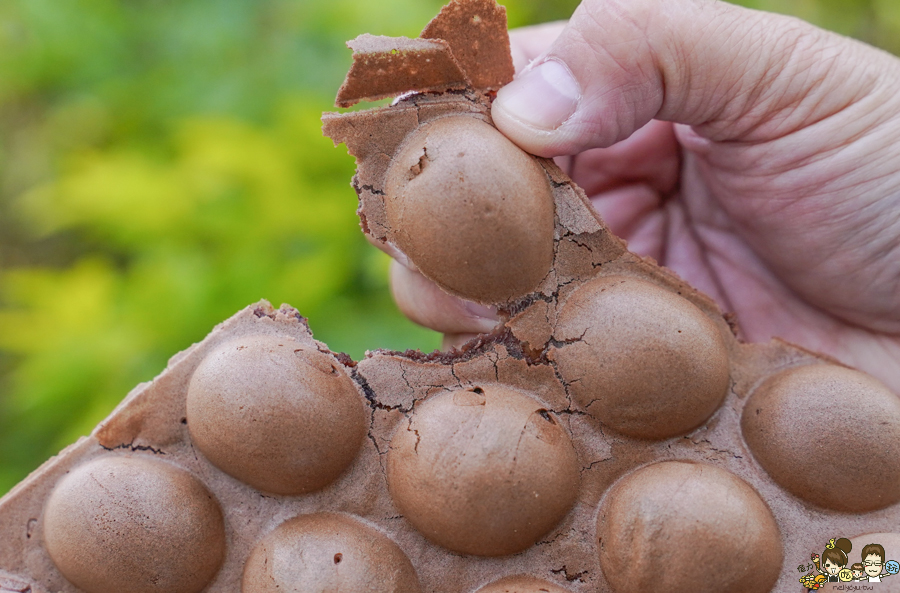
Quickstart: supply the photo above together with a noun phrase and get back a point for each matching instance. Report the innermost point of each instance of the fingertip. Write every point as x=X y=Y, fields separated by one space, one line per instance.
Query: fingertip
x=423 y=302
x=532 y=108
x=691 y=140
x=391 y=250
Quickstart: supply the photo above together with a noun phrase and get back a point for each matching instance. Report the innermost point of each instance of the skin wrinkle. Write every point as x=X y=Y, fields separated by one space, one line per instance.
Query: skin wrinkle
x=705 y=249
x=682 y=247
x=756 y=114
x=659 y=20
x=623 y=90
x=855 y=122
x=602 y=169
x=681 y=81
x=883 y=253
x=891 y=248
x=709 y=251
x=772 y=200
x=806 y=71
x=706 y=110
x=760 y=95
x=715 y=255
x=796 y=210
x=819 y=330
x=805 y=191
x=696 y=233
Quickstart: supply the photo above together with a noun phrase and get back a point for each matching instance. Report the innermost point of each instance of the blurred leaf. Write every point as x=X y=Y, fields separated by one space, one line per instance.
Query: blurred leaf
x=228 y=213
x=530 y=12
x=162 y=166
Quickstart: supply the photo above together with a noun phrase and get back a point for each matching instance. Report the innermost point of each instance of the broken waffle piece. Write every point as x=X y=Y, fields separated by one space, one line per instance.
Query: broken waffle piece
x=611 y=435
x=478 y=470
x=465 y=46
x=389 y=66
x=476 y=32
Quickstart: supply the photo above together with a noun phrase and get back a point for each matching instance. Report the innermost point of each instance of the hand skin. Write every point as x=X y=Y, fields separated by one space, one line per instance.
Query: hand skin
x=755 y=155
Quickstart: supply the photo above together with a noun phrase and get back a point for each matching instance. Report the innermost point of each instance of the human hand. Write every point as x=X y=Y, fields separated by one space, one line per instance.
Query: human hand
x=752 y=153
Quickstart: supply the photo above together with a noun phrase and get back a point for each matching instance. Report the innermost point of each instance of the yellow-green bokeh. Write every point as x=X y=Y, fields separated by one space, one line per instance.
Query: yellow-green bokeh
x=161 y=167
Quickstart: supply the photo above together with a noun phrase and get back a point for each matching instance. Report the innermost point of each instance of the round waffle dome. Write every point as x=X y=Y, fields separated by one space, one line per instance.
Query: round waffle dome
x=483 y=471
x=130 y=523
x=639 y=358
x=687 y=527
x=829 y=435
x=471 y=210
x=280 y=416
x=522 y=584
x=328 y=552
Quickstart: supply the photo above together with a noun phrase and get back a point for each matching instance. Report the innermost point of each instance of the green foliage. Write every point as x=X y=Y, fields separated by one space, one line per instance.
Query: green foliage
x=873 y=21
x=162 y=166
x=229 y=213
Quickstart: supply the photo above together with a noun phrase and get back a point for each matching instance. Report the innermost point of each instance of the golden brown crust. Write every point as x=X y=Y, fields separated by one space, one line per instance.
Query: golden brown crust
x=476 y=32
x=389 y=66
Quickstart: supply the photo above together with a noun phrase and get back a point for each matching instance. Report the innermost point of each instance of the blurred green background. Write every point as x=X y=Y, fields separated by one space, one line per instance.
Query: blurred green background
x=162 y=166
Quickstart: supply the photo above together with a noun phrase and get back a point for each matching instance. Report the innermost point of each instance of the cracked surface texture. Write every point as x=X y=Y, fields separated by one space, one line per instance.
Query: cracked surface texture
x=485 y=470
x=128 y=523
x=640 y=359
x=610 y=435
x=471 y=210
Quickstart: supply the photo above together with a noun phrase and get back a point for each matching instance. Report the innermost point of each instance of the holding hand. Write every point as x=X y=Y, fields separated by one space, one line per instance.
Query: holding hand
x=752 y=153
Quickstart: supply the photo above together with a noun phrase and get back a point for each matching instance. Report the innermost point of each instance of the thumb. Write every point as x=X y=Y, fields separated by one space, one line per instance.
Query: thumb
x=620 y=63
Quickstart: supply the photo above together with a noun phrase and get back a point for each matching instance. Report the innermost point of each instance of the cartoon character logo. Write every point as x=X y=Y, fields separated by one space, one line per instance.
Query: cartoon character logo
x=831 y=566
x=874 y=562
x=813 y=581
x=834 y=558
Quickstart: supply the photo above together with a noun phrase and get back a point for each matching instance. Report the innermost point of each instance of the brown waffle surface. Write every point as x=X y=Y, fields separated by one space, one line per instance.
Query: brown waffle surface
x=611 y=434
